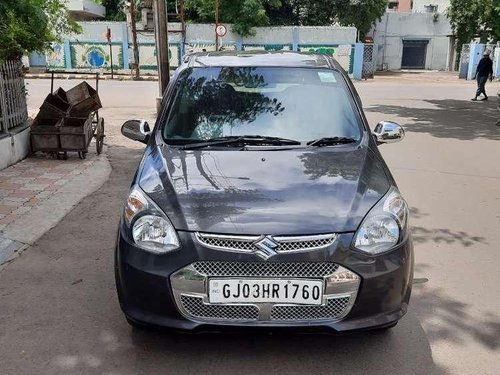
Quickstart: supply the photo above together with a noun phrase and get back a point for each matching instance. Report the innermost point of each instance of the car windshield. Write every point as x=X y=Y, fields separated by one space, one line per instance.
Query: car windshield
x=301 y=104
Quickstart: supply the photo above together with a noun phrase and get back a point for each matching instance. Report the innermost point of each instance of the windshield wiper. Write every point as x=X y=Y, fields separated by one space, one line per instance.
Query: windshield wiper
x=244 y=140
x=331 y=141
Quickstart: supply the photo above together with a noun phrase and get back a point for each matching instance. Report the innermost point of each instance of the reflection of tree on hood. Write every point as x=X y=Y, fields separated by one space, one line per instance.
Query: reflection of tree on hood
x=319 y=164
x=218 y=102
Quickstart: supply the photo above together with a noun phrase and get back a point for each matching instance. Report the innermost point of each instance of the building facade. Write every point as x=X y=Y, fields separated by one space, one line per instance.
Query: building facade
x=414 y=41
x=418 y=6
x=430 y=6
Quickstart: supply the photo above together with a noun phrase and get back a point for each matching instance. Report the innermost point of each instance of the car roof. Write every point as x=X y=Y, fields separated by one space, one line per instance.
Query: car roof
x=261 y=58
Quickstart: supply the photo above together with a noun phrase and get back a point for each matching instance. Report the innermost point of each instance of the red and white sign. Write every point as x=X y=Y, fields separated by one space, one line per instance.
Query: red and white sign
x=220 y=30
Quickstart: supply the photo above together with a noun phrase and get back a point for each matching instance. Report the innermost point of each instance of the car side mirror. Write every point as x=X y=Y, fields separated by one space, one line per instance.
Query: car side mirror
x=388 y=132
x=137 y=130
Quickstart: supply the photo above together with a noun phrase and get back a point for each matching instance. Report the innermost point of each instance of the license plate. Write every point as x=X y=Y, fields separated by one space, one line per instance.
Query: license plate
x=303 y=292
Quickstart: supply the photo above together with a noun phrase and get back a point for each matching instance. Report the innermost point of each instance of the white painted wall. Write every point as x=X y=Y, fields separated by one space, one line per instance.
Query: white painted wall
x=203 y=33
x=15 y=148
x=393 y=28
x=419 y=5
x=96 y=31
x=76 y=48
x=85 y=9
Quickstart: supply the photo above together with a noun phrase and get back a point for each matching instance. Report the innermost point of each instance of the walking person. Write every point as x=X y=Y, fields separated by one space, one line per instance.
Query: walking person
x=483 y=71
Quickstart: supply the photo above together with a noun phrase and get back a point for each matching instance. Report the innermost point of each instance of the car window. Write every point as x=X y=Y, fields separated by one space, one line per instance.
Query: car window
x=297 y=103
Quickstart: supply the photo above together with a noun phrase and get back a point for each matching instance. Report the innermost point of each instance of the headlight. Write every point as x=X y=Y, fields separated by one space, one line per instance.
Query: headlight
x=384 y=226
x=149 y=226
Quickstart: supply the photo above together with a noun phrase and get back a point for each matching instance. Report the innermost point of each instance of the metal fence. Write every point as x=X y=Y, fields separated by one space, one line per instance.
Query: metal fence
x=464 y=61
x=13 y=108
x=369 y=60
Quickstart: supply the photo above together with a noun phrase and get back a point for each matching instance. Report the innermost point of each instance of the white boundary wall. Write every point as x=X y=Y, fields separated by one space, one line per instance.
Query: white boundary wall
x=394 y=28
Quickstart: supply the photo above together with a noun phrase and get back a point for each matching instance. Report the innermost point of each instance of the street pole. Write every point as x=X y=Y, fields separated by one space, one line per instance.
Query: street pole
x=161 y=32
x=134 y=38
x=216 y=23
x=108 y=37
x=111 y=58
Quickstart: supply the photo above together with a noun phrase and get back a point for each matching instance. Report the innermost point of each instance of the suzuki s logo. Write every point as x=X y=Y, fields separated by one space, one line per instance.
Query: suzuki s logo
x=265 y=247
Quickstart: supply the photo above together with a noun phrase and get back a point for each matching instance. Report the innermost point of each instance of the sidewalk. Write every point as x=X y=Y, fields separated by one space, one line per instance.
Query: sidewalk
x=36 y=193
x=102 y=76
x=406 y=76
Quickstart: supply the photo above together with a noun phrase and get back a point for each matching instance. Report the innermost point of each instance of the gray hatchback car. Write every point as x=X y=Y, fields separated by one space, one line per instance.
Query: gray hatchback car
x=262 y=200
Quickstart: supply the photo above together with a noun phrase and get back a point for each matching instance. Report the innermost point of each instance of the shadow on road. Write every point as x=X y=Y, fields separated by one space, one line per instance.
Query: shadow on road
x=404 y=350
x=443 y=235
x=449 y=118
x=450 y=320
x=440 y=235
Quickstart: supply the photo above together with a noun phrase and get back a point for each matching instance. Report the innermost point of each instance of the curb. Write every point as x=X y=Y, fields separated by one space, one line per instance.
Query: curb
x=25 y=231
x=85 y=76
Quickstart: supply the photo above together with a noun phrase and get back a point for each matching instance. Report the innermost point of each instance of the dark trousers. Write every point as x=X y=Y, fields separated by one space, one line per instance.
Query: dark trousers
x=481 y=82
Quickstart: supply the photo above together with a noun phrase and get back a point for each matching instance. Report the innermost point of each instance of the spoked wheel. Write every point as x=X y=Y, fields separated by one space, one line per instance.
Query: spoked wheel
x=61 y=155
x=99 y=136
x=82 y=155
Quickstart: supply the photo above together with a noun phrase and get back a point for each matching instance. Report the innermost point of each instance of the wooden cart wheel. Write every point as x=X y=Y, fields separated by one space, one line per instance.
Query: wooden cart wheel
x=82 y=155
x=61 y=155
x=99 y=137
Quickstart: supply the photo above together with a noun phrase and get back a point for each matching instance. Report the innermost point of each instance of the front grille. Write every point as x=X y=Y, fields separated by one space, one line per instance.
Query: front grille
x=190 y=286
x=284 y=244
x=228 y=244
x=292 y=244
x=265 y=269
x=195 y=307
x=334 y=309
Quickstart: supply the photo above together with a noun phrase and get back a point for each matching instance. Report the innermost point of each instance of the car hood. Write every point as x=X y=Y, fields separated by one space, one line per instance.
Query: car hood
x=295 y=191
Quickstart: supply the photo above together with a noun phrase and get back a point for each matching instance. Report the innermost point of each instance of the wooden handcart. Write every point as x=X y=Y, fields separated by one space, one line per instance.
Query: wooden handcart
x=68 y=120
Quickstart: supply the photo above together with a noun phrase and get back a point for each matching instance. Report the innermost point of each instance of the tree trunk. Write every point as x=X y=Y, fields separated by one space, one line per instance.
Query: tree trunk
x=135 y=46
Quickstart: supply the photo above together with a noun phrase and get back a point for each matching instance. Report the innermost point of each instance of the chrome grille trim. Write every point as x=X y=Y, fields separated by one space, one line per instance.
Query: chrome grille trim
x=190 y=289
x=285 y=244
x=291 y=244
x=231 y=243
x=196 y=307
x=334 y=309
x=265 y=269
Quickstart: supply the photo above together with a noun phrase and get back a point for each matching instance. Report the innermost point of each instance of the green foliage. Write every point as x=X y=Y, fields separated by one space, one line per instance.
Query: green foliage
x=475 y=18
x=32 y=25
x=114 y=10
x=361 y=14
x=246 y=14
x=243 y=14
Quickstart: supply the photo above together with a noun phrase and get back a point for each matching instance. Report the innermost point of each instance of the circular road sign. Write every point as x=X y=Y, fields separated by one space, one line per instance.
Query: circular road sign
x=220 y=30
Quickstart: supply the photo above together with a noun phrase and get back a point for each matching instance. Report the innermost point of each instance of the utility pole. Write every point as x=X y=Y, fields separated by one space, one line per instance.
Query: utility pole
x=108 y=38
x=216 y=24
x=161 y=33
x=134 y=38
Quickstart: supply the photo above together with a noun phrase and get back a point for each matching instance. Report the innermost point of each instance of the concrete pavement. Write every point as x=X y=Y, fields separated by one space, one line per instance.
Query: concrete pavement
x=448 y=169
x=36 y=193
x=59 y=313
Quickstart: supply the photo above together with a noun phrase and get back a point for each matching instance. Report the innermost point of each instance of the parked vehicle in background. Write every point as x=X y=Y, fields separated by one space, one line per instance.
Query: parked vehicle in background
x=262 y=200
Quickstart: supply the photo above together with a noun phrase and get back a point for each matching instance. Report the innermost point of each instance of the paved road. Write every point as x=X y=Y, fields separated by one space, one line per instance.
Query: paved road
x=59 y=313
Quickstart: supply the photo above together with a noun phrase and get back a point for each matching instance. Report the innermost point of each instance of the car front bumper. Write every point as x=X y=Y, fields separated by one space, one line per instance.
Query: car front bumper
x=150 y=286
